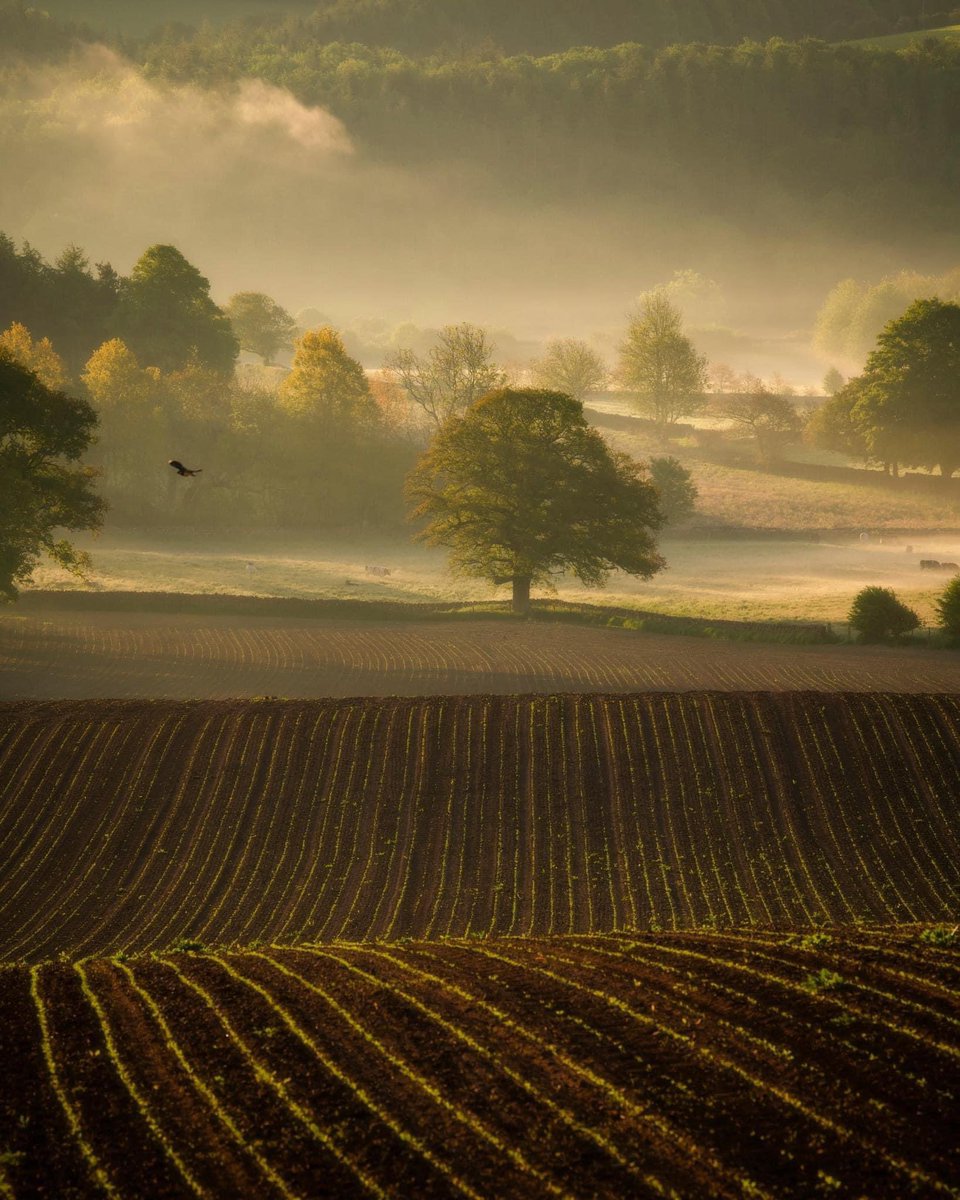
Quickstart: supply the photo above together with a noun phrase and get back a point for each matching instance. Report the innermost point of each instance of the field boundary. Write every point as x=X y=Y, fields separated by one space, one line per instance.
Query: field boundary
x=558 y=611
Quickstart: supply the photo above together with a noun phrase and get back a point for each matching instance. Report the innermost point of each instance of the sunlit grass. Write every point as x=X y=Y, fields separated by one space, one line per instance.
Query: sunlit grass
x=899 y=41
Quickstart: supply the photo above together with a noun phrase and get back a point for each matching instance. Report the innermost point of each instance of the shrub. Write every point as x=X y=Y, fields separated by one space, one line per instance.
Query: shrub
x=948 y=608
x=823 y=981
x=877 y=614
x=940 y=935
x=678 y=492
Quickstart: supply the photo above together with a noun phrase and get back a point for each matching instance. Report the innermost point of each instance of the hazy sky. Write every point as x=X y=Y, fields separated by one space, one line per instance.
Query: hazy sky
x=264 y=193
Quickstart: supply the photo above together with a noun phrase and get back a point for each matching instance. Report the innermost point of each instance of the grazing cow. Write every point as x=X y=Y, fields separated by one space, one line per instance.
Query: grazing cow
x=929 y=564
x=378 y=571
x=949 y=567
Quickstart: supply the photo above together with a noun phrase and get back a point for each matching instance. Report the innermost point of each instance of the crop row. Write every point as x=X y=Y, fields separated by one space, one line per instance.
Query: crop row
x=110 y=655
x=691 y=1064
x=133 y=826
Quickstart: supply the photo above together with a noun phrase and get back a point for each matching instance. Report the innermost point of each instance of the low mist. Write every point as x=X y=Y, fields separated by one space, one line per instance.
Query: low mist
x=264 y=192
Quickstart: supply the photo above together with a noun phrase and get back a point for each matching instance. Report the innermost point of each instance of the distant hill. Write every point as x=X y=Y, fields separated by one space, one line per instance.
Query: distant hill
x=900 y=41
x=532 y=26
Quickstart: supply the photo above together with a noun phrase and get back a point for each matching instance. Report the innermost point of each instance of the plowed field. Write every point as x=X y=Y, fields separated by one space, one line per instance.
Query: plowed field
x=696 y=1064
x=131 y=825
x=108 y=655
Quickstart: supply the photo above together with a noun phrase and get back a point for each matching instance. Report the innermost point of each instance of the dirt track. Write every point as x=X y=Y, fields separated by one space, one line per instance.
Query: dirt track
x=106 y=655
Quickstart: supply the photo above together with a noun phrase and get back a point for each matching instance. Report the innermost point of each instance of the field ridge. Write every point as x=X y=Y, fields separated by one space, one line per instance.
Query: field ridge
x=131 y=826
x=763 y=1063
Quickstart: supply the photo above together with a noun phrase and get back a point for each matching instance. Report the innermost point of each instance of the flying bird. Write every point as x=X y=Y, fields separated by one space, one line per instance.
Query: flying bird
x=182 y=470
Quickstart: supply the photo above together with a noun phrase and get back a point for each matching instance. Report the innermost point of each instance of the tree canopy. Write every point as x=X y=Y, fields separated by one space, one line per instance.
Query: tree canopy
x=261 y=325
x=520 y=488
x=43 y=434
x=659 y=364
x=168 y=318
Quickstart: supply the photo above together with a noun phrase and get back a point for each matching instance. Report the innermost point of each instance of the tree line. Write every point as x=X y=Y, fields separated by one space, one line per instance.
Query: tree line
x=536 y=27
x=545 y=26
x=822 y=121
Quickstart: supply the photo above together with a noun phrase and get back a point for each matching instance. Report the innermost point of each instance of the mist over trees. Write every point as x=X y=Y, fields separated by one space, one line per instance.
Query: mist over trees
x=450 y=376
x=659 y=364
x=572 y=367
x=260 y=324
x=905 y=407
x=547 y=26
x=854 y=313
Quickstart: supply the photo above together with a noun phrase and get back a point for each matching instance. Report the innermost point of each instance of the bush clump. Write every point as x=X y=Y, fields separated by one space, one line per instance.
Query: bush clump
x=948 y=609
x=877 y=614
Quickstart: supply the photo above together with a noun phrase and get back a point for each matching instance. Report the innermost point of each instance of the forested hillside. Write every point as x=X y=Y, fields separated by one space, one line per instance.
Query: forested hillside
x=533 y=26
x=861 y=131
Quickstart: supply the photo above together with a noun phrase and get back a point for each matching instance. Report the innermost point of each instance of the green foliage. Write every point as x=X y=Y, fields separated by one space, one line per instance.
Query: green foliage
x=521 y=488
x=545 y=26
x=260 y=324
x=815 y=941
x=42 y=433
x=188 y=945
x=854 y=314
x=948 y=609
x=824 y=980
x=678 y=492
x=833 y=381
x=634 y=121
x=878 y=614
x=168 y=318
x=74 y=307
x=659 y=364
x=833 y=426
x=941 y=935
x=910 y=388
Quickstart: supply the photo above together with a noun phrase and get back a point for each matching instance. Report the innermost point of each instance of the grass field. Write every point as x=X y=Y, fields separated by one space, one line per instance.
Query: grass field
x=702 y=1064
x=734 y=579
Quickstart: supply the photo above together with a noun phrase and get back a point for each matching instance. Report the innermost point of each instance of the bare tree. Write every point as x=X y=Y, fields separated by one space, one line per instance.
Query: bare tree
x=446 y=380
x=771 y=420
x=571 y=367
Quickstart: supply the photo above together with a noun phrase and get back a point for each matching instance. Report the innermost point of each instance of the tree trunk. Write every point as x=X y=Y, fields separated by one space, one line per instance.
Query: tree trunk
x=521 y=594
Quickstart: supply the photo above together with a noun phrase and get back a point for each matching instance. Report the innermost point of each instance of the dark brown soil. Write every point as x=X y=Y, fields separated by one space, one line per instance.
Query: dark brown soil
x=698 y=1064
x=132 y=825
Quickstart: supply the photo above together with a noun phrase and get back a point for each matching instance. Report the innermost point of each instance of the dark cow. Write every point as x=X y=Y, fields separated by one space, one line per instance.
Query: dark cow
x=929 y=564
x=949 y=567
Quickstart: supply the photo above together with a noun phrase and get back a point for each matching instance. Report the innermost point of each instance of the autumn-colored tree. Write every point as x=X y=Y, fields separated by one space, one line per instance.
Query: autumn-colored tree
x=520 y=488
x=132 y=445
x=326 y=385
x=38 y=357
